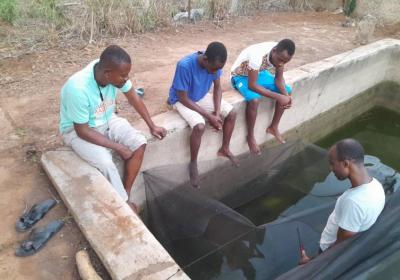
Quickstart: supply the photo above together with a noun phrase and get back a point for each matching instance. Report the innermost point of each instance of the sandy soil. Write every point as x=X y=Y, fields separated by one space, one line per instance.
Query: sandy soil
x=29 y=105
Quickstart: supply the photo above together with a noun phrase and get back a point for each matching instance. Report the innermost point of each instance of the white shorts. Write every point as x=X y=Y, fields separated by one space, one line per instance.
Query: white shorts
x=118 y=130
x=207 y=103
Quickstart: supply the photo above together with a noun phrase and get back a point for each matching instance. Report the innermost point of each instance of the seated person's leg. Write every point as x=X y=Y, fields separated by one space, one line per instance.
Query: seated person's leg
x=268 y=81
x=252 y=101
x=197 y=123
x=229 y=118
x=98 y=156
x=122 y=132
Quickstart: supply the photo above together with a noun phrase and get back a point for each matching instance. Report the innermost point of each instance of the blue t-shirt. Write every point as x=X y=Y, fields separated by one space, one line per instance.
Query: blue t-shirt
x=191 y=78
x=81 y=101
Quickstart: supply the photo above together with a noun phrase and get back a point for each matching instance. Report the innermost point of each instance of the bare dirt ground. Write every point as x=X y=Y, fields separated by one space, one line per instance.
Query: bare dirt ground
x=29 y=106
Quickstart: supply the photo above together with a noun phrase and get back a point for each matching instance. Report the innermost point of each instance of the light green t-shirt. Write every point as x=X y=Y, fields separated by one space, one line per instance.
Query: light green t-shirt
x=81 y=101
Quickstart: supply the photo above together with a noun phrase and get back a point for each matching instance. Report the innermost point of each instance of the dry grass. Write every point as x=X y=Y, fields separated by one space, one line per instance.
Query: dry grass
x=42 y=24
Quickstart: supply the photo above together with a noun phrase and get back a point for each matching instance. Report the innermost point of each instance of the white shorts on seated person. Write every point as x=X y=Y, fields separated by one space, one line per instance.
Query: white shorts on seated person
x=207 y=103
x=118 y=130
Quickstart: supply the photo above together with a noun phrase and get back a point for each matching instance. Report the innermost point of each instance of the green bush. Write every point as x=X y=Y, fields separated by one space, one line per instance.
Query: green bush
x=349 y=7
x=8 y=10
x=47 y=10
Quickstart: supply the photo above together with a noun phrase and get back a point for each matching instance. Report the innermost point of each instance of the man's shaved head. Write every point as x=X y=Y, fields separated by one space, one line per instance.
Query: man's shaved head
x=113 y=56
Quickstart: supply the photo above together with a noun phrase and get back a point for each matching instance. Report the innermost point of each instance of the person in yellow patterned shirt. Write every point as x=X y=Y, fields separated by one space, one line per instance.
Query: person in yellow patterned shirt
x=258 y=72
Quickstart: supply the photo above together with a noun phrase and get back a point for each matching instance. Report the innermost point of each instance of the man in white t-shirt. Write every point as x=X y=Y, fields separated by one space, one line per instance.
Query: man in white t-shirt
x=258 y=72
x=358 y=208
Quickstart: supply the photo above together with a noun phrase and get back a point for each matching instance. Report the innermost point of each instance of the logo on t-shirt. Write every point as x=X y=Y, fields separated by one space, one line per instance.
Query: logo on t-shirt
x=103 y=107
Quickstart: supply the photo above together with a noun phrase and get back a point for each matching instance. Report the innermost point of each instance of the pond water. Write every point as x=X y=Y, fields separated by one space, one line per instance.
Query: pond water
x=378 y=130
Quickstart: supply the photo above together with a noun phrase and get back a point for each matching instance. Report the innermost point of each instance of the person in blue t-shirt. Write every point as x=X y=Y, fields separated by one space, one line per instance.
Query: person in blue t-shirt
x=89 y=125
x=188 y=94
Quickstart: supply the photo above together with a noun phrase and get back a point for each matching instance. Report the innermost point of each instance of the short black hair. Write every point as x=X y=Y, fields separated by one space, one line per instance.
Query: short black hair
x=114 y=55
x=350 y=149
x=216 y=51
x=286 y=45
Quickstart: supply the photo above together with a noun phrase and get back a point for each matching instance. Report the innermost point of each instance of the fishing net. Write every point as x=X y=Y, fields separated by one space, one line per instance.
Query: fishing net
x=246 y=222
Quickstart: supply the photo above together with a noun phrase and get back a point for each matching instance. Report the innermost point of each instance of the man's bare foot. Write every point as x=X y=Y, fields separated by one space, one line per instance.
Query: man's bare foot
x=194 y=174
x=254 y=148
x=134 y=208
x=228 y=154
x=276 y=134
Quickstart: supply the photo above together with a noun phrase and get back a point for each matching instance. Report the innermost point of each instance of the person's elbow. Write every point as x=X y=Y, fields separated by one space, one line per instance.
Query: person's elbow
x=182 y=97
x=81 y=129
x=252 y=86
x=343 y=234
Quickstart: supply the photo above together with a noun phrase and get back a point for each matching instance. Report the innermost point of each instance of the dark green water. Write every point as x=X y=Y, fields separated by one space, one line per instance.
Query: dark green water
x=378 y=130
x=295 y=179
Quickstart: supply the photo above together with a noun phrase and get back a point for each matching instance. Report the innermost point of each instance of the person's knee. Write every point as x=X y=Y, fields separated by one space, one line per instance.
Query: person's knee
x=140 y=151
x=253 y=104
x=199 y=129
x=105 y=164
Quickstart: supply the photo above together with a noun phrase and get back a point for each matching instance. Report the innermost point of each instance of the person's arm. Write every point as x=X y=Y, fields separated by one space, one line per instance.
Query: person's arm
x=136 y=102
x=280 y=84
x=88 y=134
x=217 y=95
x=280 y=81
x=185 y=100
x=349 y=215
x=78 y=111
x=342 y=235
x=252 y=84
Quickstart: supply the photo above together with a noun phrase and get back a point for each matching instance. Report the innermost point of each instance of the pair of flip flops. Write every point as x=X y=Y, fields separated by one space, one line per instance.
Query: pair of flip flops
x=38 y=237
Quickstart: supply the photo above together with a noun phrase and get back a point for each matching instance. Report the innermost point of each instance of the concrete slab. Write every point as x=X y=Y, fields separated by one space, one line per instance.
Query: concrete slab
x=126 y=247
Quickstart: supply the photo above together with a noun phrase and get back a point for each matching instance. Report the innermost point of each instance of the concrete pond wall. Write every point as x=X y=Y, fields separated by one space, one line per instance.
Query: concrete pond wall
x=326 y=95
x=317 y=88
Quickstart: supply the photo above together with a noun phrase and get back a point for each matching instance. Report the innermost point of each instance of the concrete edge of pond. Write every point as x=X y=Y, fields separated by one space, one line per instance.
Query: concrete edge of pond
x=317 y=87
x=125 y=246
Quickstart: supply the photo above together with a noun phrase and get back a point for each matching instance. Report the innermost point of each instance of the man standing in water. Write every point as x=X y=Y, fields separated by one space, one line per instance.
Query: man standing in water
x=357 y=209
x=188 y=94
x=89 y=125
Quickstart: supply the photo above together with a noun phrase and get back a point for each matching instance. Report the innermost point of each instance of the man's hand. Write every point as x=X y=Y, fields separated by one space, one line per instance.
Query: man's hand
x=215 y=121
x=158 y=132
x=287 y=106
x=303 y=257
x=124 y=152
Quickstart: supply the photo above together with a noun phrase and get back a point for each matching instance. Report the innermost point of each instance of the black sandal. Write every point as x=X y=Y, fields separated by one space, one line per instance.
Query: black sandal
x=37 y=212
x=38 y=238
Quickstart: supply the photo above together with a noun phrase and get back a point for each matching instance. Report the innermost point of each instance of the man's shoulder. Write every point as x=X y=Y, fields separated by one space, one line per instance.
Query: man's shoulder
x=263 y=45
x=187 y=61
x=369 y=190
x=82 y=79
x=362 y=196
x=75 y=84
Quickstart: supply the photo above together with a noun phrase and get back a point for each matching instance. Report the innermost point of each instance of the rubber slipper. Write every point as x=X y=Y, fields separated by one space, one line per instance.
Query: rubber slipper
x=139 y=91
x=37 y=212
x=38 y=238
